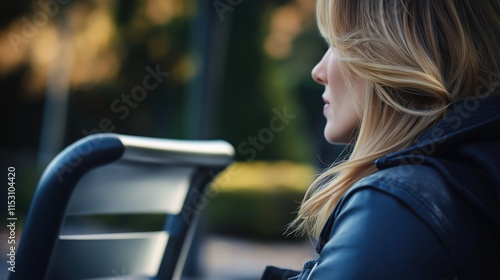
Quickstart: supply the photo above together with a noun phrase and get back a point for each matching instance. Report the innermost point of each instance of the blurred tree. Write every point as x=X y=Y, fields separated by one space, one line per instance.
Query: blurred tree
x=263 y=68
x=256 y=71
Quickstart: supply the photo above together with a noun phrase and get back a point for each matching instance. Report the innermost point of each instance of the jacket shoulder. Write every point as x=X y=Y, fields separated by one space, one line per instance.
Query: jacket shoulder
x=430 y=197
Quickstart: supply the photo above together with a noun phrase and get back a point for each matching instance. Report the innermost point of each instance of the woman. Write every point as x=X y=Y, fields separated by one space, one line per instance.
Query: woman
x=414 y=85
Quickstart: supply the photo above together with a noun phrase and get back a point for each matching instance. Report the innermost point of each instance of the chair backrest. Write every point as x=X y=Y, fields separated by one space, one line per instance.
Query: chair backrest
x=111 y=174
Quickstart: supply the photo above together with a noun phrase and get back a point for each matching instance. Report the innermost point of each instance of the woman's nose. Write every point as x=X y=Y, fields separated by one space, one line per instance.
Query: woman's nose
x=319 y=72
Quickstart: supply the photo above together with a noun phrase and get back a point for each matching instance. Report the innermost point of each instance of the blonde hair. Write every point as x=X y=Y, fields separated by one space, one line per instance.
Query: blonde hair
x=416 y=57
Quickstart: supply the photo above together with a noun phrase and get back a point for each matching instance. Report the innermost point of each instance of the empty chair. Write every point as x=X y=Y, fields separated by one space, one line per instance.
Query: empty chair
x=110 y=176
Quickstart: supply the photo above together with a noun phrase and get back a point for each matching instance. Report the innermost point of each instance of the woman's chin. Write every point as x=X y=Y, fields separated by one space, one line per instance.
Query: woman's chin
x=331 y=137
x=335 y=137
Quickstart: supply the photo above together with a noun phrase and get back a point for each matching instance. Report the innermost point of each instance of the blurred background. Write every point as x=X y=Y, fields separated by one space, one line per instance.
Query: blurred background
x=236 y=70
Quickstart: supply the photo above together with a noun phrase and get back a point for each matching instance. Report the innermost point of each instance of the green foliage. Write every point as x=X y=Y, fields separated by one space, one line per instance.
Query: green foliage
x=253 y=214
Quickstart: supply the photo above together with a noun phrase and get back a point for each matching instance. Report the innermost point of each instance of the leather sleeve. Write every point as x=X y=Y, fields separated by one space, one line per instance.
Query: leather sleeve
x=375 y=236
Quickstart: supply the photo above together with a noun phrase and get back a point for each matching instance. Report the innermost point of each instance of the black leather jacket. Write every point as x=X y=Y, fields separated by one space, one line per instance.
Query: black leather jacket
x=431 y=212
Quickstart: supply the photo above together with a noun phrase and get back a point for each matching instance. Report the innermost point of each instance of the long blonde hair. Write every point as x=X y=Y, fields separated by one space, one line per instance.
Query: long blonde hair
x=417 y=56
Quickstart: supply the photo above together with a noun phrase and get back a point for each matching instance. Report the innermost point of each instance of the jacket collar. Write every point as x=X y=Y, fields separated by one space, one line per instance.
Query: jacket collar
x=472 y=119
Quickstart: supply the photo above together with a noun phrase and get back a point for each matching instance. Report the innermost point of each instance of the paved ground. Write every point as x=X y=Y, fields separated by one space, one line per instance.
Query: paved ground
x=242 y=259
x=233 y=259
